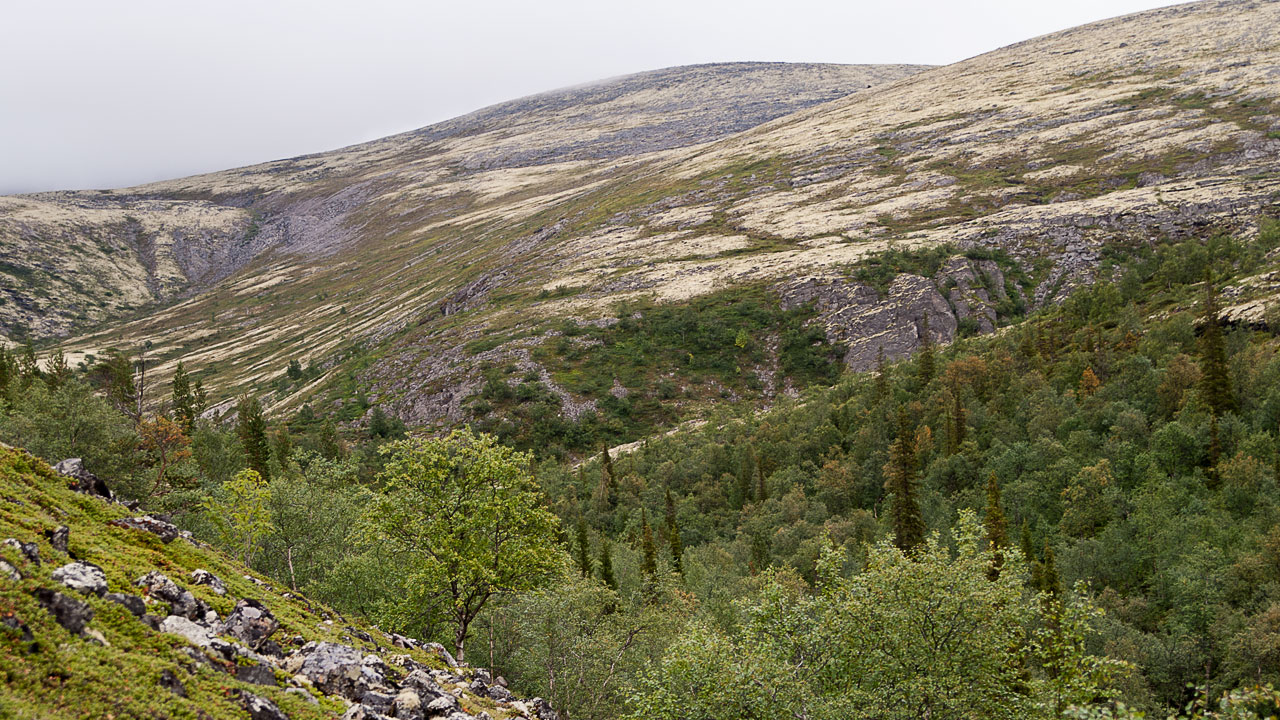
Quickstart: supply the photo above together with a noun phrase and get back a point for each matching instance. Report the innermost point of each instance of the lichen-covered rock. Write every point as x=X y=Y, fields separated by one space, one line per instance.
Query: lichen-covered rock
x=195 y=634
x=29 y=550
x=335 y=669
x=82 y=577
x=257 y=674
x=157 y=586
x=250 y=622
x=204 y=577
x=166 y=531
x=260 y=708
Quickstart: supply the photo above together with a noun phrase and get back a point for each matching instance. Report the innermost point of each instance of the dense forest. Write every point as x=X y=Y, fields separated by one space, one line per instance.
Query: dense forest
x=1079 y=514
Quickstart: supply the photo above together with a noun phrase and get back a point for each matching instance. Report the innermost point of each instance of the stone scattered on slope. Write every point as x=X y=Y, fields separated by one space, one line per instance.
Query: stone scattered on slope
x=250 y=622
x=58 y=537
x=83 y=481
x=166 y=531
x=195 y=633
x=157 y=586
x=170 y=682
x=132 y=603
x=69 y=612
x=204 y=577
x=29 y=550
x=261 y=708
x=82 y=577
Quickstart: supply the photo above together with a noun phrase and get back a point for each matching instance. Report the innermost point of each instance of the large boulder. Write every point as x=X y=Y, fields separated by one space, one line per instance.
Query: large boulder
x=195 y=634
x=82 y=577
x=83 y=481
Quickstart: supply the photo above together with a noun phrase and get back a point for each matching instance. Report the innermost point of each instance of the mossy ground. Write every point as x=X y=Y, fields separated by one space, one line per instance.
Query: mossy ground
x=56 y=674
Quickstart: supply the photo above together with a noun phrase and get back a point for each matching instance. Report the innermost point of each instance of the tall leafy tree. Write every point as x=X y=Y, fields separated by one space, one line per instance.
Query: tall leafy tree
x=464 y=521
x=251 y=427
x=905 y=516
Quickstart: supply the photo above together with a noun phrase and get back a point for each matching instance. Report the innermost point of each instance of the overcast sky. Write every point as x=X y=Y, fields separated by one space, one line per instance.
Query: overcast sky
x=98 y=94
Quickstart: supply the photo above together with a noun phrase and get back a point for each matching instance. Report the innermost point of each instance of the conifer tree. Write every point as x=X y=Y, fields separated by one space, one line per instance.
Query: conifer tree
x=996 y=531
x=1215 y=381
x=1049 y=580
x=882 y=376
x=28 y=366
x=649 y=564
x=59 y=371
x=959 y=424
x=606 y=564
x=1215 y=450
x=762 y=488
x=7 y=370
x=251 y=427
x=900 y=482
x=673 y=536
x=927 y=364
x=584 y=548
x=184 y=403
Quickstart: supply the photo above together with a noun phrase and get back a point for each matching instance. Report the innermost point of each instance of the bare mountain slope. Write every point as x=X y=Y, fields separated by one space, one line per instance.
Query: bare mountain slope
x=400 y=268
x=72 y=258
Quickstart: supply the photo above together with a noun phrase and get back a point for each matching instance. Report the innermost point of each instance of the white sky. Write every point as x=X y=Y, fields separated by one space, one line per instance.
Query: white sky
x=109 y=93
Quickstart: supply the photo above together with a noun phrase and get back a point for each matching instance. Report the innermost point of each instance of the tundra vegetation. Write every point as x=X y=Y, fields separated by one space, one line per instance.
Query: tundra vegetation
x=1078 y=516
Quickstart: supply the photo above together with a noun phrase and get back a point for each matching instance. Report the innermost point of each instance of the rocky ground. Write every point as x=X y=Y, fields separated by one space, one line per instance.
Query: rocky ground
x=106 y=612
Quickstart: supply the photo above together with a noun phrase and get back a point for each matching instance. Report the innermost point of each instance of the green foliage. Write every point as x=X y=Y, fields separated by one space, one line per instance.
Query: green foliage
x=241 y=514
x=251 y=427
x=462 y=520
x=70 y=421
x=885 y=643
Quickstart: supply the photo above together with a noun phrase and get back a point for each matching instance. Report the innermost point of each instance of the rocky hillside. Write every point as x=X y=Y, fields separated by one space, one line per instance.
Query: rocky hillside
x=74 y=258
x=106 y=614
x=400 y=270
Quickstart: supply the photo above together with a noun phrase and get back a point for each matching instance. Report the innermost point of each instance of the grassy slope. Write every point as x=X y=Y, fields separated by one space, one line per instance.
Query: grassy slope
x=61 y=675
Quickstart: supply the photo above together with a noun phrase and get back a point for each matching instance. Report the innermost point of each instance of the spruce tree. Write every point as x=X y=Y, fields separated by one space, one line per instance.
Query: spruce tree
x=882 y=376
x=762 y=488
x=7 y=371
x=959 y=424
x=900 y=482
x=649 y=564
x=1215 y=380
x=927 y=363
x=1049 y=580
x=184 y=403
x=673 y=536
x=251 y=426
x=584 y=548
x=606 y=564
x=59 y=371
x=997 y=535
x=28 y=366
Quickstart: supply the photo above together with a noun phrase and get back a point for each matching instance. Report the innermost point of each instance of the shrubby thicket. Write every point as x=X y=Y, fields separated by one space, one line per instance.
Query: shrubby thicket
x=821 y=559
